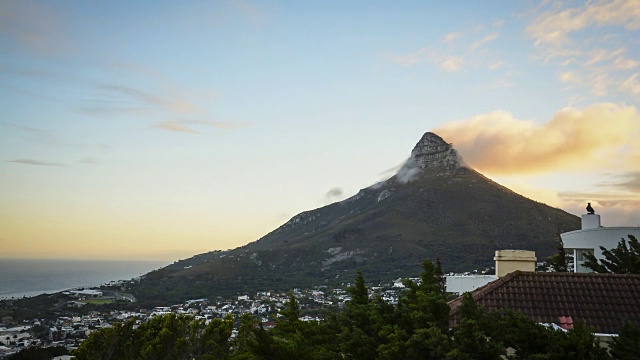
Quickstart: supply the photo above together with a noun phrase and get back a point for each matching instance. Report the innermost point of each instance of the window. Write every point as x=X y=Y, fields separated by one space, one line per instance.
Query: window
x=580 y=253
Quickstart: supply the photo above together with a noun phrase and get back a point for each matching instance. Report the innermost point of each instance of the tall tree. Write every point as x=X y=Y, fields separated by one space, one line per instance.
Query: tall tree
x=359 y=292
x=245 y=339
x=289 y=322
x=559 y=260
x=623 y=259
x=358 y=339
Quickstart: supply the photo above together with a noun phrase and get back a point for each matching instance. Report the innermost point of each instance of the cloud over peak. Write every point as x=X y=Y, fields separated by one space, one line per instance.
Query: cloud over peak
x=602 y=136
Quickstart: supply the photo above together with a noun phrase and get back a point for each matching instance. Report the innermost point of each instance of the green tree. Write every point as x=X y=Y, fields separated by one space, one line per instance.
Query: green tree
x=471 y=337
x=212 y=342
x=623 y=259
x=292 y=338
x=359 y=292
x=427 y=302
x=245 y=340
x=34 y=353
x=108 y=343
x=626 y=346
x=168 y=337
x=559 y=260
x=289 y=322
x=358 y=338
x=578 y=343
x=418 y=328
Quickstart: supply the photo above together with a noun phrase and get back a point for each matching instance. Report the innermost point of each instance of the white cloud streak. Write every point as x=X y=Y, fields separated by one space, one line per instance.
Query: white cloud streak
x=453 y=56
x=601 y=65
x=36 y=162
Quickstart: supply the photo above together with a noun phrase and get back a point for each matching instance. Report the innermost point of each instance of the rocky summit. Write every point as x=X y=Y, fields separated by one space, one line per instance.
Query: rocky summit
x=433 y=152
x=434 y=206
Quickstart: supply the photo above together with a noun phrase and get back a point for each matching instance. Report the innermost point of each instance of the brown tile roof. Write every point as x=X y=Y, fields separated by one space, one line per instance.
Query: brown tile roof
x=603 y=301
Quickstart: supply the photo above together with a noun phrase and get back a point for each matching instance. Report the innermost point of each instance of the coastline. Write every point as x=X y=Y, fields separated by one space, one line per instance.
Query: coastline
x=32 y=277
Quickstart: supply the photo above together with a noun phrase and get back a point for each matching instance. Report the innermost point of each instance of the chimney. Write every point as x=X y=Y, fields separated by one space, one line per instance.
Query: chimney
x=508 y=261
x=590 y=221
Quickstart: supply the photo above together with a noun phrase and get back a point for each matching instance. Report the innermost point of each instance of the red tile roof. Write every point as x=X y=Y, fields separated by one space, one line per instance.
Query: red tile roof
x=603 y=301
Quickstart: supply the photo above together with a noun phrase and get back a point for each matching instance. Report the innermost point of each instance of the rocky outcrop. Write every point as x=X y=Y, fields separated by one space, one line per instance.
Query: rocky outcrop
x=431 y=152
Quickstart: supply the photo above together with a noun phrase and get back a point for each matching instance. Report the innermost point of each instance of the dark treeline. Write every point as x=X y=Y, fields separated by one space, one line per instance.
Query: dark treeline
x=416 y=328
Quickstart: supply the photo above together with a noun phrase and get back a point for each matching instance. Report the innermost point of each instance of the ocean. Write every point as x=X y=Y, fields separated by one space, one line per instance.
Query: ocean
x=30 y=277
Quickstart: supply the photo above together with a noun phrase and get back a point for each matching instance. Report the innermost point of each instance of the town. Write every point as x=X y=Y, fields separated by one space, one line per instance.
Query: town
x=70 y=330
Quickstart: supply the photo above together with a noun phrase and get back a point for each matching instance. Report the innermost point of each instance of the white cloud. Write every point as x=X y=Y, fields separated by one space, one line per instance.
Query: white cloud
x=454 y=55
x=569 y=77
x=555 y=25
x=562 y=36
x=625 y=64
x=485 y=40
x=497 y=65
x=632 y=85
x=450 y=37
x=452 y=64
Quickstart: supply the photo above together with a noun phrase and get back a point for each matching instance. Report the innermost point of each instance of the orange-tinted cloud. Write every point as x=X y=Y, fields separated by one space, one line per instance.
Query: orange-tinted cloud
x=188 y=125
x=175 y=126
x=602 y=137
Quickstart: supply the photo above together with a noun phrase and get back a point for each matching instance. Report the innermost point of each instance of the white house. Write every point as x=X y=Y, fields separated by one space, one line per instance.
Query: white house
x=591 y=237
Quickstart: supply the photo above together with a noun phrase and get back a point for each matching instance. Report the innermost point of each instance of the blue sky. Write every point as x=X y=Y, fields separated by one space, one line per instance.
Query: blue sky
x=158 y=130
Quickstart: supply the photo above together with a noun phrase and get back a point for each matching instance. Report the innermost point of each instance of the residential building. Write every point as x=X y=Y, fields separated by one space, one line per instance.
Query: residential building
x=603 y=301
x=591 y=236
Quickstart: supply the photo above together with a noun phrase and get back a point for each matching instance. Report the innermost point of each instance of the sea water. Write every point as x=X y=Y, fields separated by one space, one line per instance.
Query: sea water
x=31 y=277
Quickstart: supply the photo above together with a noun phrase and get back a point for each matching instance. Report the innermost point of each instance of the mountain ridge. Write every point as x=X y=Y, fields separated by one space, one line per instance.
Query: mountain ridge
x=434 y=206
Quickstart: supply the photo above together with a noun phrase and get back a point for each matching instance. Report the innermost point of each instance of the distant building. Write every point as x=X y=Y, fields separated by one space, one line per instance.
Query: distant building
x=591 y=237
x=459 y=284
x=507 y=261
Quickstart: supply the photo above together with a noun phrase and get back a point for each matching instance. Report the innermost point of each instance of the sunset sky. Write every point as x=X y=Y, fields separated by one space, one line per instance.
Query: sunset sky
x=157 y=130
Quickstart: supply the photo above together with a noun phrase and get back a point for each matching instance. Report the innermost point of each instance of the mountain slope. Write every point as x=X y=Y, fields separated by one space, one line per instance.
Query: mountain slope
x=435 y=206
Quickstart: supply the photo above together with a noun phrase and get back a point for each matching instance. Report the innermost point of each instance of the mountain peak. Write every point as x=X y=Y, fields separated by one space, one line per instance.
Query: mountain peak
x=430 y=152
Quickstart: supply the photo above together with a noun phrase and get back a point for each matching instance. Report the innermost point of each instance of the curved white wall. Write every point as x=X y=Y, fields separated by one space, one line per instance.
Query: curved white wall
x=592 y=239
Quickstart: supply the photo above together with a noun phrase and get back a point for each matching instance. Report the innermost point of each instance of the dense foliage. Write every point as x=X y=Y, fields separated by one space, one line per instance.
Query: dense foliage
x=35 y=353
x=623 y=259
x=417 y=327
